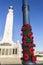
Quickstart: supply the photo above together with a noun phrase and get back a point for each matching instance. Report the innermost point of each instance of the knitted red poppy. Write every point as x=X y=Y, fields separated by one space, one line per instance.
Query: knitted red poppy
x=26 y=57
x=24 y=42
x=29 y=44
x=27 y=25
x=29 y=35
x=32 y=41
x=33 y=58
x=21 y=34
x=24 y=49
x=31 y=50
x=25 y=38
x=34 y=45
x=22 y=29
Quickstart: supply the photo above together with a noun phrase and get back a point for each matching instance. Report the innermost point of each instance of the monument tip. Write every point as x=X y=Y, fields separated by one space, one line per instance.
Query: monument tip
x=11 y=7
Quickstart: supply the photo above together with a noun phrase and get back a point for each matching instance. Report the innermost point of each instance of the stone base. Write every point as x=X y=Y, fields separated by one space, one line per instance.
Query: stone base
x=10 y=61
x=28 y=63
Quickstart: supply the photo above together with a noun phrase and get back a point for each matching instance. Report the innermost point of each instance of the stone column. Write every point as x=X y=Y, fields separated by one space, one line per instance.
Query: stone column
x=10 y=51
x=6 y=51
x=0 y=51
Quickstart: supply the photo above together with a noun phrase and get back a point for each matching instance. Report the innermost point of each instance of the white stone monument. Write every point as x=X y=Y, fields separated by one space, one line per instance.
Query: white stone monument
x=7 y=37
x=10 y=52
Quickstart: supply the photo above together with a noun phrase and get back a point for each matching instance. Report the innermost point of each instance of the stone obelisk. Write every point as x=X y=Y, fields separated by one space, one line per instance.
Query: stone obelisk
x=7 y=37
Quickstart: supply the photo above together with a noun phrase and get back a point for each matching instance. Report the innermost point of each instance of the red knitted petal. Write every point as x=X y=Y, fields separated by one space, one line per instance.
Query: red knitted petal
x=29 y=44
x=33 y=58
x=21 y=34
x=22 y=29
x=27 y=25
x=31 y=50
x=26 y=57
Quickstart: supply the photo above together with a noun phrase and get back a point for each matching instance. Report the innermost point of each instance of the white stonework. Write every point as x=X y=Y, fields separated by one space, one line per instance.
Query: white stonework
x=10 y=52
x=7 y=37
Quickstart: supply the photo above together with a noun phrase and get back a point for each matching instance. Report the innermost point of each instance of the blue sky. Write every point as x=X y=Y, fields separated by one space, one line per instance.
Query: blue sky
x=36 y=20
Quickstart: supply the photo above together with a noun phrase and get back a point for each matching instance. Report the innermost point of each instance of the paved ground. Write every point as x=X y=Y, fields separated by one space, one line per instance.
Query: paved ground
x=37 y=63
x=21 y=64
x=17 y=64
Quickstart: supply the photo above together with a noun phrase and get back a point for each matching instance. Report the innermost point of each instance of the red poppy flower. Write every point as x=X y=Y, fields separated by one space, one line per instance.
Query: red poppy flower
x=29 y=44
x=29 y=35
x=22 y=28
x=30 y=29
x=27 y=25
x=34 y=45
x=31 y=50
x=21 y=34
x=33 y=58
x=24 y=42
x=25 y=37
x=32 y=37
x=32 y=41
x=26 y=57
x=24 y=49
